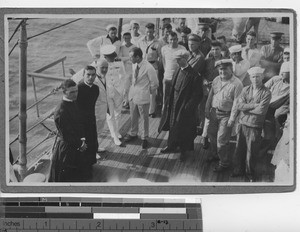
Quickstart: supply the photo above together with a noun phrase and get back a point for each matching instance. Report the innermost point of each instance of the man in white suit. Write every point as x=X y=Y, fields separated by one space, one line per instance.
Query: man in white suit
x=143 y=83
x=101 y=104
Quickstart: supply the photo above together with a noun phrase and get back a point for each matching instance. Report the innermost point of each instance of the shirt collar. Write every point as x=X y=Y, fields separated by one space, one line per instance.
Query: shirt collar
x=112 y=41
x=88 y=84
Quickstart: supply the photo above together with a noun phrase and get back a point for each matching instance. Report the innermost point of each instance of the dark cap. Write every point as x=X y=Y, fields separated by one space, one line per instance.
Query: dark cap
x=251 y=33
x=203 y=26
x=276 y=35
x=150 y=26
x=215 y=44
x=167 y=26
x=194 y=37
x=223 y=63
x=222 y=37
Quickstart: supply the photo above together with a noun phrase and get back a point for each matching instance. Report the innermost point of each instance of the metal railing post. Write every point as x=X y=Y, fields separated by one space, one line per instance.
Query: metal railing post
x=23 y=101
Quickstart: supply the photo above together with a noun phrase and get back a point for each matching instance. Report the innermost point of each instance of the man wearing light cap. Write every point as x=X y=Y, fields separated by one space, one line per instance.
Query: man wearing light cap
x=250 y=52
x=240 y=66
x=220 y=109
x=115 y=86
x=179 y=114
x=253 y=104
x=286 y=59
x=111 y=38
x=278 y=108
x=271 y=56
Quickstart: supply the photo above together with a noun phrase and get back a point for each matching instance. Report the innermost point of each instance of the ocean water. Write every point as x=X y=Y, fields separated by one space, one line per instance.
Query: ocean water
x=69 y=41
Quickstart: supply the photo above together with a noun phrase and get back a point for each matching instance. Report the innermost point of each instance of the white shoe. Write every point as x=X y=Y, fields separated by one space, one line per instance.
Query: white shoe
x=117 y=141
x=119 y=135
x=98 y=156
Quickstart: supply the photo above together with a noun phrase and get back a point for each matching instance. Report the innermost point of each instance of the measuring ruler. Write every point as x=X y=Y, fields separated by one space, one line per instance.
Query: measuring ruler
x=99 y=214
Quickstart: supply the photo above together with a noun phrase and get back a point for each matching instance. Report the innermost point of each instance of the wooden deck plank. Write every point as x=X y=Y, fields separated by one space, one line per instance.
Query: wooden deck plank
x=122 y=164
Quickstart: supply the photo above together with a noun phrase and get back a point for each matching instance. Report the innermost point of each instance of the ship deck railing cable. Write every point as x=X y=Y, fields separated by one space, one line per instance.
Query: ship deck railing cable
x=48 y=115
x=52 y=92
x=44 y=32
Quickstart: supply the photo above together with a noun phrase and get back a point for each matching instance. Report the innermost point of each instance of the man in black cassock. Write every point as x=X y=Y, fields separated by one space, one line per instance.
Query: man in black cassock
x=88 y=93
x=179 y=115
x=70 y=146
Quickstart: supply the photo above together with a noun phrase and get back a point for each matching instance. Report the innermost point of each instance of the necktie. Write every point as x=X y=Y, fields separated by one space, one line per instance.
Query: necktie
x=136 y=73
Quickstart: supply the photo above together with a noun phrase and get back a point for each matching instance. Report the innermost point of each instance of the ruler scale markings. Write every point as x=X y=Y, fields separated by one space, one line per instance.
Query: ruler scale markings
x=154 y=214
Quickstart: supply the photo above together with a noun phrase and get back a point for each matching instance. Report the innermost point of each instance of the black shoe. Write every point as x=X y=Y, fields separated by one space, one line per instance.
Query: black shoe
x=199 y=131
x=250 y=178
x=167 y=150
x=153 y=115
x=128 y=138
x=212 y=159
x=144 y=143
x=205 y=143
x=220 y=168
x=183 y=157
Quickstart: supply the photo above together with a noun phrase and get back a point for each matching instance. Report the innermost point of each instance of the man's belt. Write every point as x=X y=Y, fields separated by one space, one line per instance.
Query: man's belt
x=222 y=111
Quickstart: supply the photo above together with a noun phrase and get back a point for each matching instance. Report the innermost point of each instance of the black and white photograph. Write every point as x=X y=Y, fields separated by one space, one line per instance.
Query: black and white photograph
x=180 y=98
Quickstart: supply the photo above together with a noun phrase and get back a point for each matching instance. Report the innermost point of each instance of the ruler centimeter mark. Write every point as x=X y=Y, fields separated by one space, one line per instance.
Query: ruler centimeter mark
x=67 y=214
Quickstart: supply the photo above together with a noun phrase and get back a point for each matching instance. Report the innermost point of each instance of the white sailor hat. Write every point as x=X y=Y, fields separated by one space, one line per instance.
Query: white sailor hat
x=235 y=48
x=256 y=70
x=285 y=67
x=111 y=26
x=224 y=63
x=181 y=54
x=107 y=50
x=132 y=22
x=286 y=50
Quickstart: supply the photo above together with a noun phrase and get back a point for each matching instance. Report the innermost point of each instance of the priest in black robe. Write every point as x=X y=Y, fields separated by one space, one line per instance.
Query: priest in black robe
x=70 y=144
x=88 y=93
x=179 y=115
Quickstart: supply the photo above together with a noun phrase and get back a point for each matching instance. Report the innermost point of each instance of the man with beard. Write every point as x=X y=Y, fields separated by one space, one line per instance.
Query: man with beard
x=179 y=115
x=70 y=146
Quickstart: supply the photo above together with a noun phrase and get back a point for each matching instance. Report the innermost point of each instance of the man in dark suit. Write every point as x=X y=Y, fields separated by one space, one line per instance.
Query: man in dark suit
x=88 y=93
x=179 y=115
x=70 y=144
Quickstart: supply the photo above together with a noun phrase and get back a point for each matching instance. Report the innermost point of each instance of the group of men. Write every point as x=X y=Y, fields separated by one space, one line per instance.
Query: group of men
x=204 y=87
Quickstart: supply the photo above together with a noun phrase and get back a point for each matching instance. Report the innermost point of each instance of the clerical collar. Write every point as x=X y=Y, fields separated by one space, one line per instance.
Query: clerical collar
x=88 y=84
x=66 y=99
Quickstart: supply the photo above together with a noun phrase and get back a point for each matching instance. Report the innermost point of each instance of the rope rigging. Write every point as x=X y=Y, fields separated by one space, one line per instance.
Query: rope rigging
x=38 y=33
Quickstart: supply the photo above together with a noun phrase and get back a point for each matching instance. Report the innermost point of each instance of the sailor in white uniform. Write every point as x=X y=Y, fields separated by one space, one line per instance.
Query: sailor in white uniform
x=115 y=87
x=111 y=38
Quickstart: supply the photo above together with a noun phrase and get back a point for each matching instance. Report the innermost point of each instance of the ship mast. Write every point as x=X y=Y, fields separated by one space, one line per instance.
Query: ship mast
x=23 y=101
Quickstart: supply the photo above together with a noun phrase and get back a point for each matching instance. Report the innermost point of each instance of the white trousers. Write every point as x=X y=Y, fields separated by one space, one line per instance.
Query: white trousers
x=114 y=116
